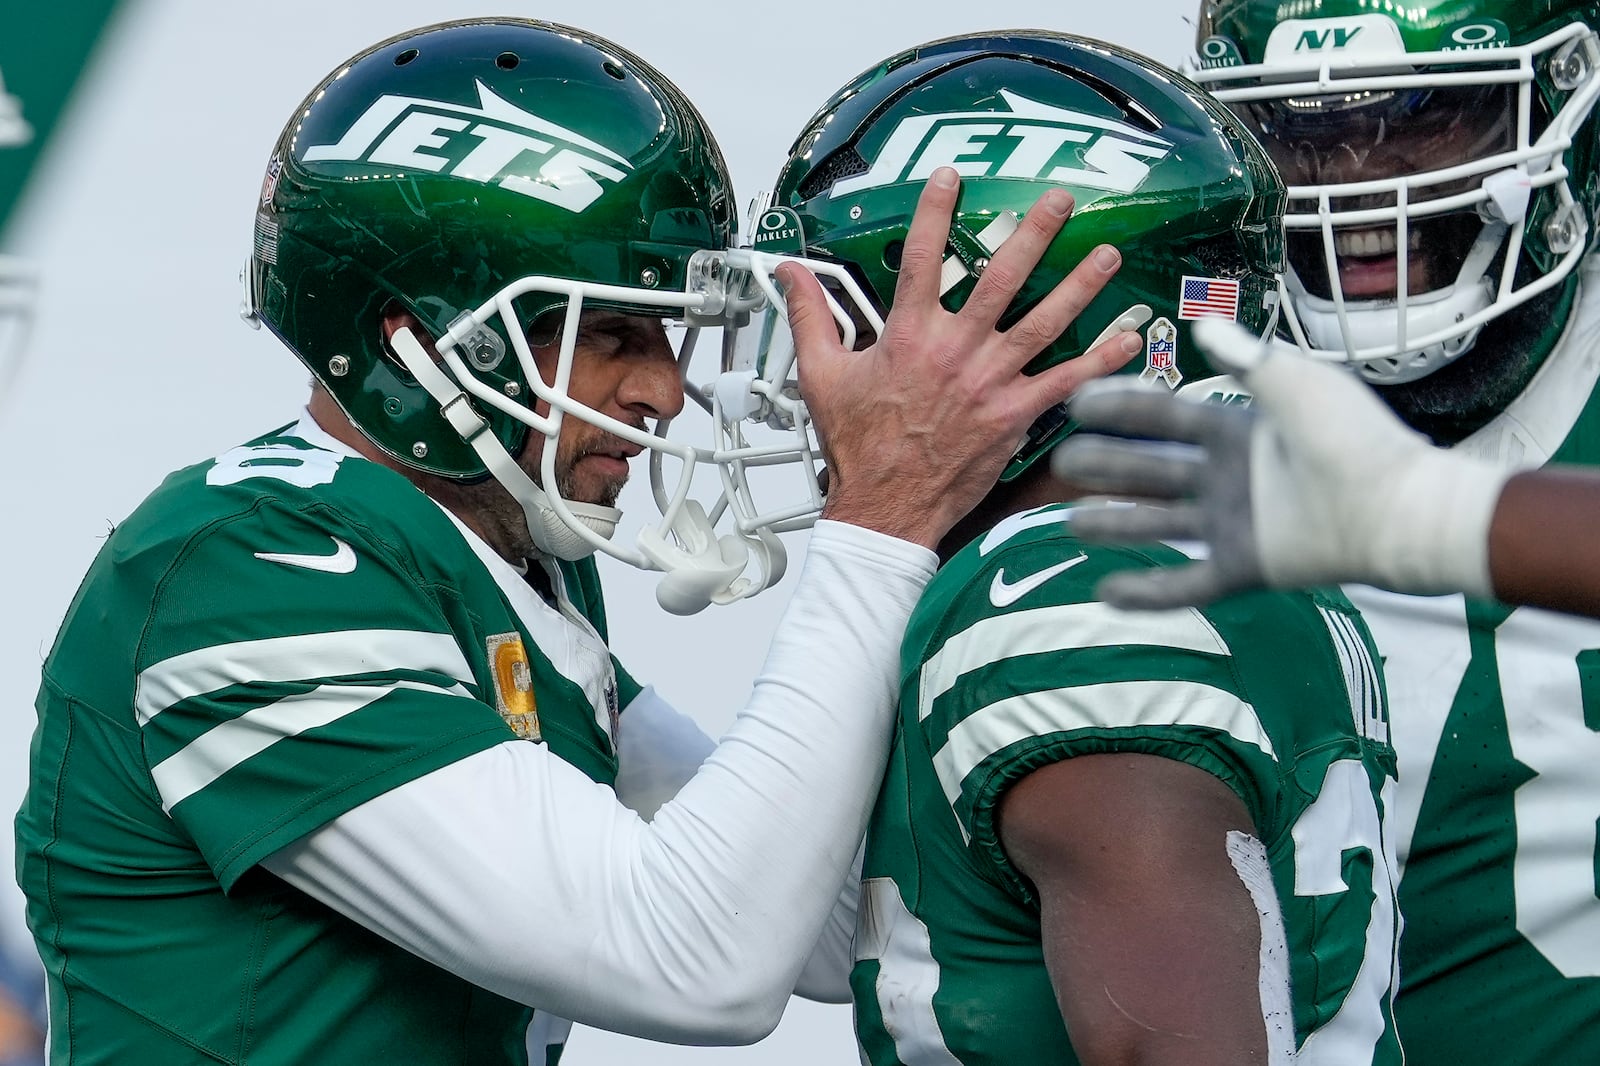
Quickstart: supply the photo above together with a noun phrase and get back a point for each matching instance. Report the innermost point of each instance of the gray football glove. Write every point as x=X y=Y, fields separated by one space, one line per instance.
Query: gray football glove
x=1315 y=483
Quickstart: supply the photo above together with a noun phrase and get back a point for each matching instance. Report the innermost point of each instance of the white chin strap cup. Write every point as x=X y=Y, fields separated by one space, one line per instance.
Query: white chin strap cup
x=1376 y=324
x=702 y=568
x=553 y=535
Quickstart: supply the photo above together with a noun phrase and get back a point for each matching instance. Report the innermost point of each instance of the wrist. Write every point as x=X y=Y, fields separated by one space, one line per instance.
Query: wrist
x=1438 y=525
x=890 y=514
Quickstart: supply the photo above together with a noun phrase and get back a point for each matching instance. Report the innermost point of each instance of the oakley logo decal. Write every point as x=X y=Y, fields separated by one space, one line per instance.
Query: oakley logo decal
x=1219 y=52
x=1022 y=143
x=495 y=143
x=1476 y=36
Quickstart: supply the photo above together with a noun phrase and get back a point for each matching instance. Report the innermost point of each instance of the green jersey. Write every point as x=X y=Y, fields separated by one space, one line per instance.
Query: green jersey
x=1497 y=725
x=1010 y=664
x=271 y=639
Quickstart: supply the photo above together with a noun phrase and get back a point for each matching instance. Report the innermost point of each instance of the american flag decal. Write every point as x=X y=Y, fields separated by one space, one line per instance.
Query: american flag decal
x=1208 y=298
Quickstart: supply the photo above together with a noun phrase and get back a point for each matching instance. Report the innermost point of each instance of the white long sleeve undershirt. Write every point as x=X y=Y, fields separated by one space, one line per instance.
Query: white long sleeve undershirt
x=660 y=749
x=515 y=871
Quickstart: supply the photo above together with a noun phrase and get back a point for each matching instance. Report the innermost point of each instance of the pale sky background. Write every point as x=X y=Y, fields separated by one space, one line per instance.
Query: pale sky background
x=140 y=215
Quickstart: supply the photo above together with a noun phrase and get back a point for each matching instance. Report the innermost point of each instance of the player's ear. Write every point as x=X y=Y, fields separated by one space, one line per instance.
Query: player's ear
x=393 y=318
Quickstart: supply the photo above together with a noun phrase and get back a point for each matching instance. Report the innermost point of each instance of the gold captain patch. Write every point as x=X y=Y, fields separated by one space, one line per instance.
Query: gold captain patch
x=513 y=685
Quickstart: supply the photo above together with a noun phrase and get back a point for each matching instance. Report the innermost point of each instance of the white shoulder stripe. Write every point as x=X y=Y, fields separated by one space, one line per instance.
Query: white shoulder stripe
x=1062 y=627
x=304 y=657
x=1113 y=705
x=218 y=750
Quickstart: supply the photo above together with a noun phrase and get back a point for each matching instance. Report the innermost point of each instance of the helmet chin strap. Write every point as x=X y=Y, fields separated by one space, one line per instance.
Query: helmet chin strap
x=700 y=567
x=551 y=532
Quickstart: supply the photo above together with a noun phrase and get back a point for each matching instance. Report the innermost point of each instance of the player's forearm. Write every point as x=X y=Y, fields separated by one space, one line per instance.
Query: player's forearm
x=793 y=780
x=659 y=752
x=826 y=974
x=513 y=870
x=1543 y=548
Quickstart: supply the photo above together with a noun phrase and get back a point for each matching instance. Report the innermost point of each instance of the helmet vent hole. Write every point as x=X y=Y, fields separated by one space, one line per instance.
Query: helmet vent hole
x=891 y=254
x=507 y=60
x=845 y=163
x=405 y=57
x=613 y=68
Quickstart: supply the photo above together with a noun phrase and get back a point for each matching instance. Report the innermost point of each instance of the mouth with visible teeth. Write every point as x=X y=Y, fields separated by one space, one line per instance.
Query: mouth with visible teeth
x=1368 y=266
x=1366 y=243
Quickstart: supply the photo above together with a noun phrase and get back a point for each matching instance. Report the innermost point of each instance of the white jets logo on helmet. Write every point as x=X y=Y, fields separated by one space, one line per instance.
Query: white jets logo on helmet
x=1024 y=142
x=495 y=143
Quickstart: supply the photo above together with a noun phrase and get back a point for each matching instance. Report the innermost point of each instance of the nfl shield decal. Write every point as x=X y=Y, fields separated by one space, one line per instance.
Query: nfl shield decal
x=1161 y=353
x=513 y=685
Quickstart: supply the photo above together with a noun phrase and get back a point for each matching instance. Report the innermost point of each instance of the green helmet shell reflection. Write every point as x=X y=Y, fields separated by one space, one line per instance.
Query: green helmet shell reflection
x=437 y=167
x=1156 y=167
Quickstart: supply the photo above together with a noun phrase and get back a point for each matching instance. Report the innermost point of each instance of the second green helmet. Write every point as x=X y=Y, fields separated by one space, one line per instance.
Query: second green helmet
x=1156 y=167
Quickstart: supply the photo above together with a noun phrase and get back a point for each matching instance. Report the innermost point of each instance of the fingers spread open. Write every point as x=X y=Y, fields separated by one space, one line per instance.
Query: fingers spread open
x=1003 y=278
x=922 y=257
x=1049 y=387
x=1063 y=304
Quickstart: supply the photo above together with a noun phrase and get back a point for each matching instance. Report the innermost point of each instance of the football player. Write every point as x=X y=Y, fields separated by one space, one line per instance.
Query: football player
x=1103 y=837
x=332 y=755
x=1442 y=167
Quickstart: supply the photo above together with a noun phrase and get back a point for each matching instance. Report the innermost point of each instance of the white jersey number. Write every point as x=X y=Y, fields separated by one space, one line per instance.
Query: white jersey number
x=1344 y=818
x=1539 y=657
x=298 y=466
x=1556 y=810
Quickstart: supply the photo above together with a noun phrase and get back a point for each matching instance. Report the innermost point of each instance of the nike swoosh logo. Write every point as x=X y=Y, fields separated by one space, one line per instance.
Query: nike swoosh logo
x=1003 y=593
x=342 y=561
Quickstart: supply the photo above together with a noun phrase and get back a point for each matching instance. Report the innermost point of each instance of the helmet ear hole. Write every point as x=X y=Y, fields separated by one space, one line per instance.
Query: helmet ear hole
x=892 y=253
x=392 y=317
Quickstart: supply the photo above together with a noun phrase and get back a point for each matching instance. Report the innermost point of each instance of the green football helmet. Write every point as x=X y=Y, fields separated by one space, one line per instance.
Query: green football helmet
x=487 y=175
x=1157 y=168
x=1441 y=168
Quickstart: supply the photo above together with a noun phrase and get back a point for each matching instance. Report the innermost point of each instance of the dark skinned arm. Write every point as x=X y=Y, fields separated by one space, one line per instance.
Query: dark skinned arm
x=1543 y=547
x=1151 y=938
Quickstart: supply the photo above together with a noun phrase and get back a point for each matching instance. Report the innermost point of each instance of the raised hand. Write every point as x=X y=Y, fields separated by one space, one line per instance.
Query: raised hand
x=916 y=428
